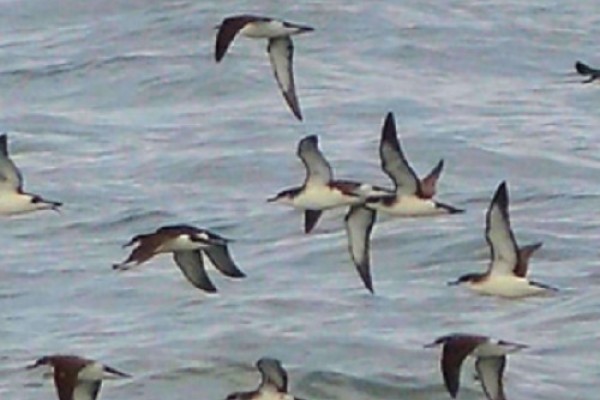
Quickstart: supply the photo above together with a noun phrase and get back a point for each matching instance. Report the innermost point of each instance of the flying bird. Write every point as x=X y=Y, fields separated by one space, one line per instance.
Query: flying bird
x=187 y=244
x=490 y=355
x=411 y=197
x=320 y=191
x=506 y=275
x=586 y=70
x=13 y=200
x=77 y=378
x=280 y=48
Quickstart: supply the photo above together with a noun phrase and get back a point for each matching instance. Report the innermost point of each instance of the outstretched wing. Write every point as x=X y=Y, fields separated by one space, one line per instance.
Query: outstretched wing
x=500 y=238
x=191 y=264
x=359 y=224
x=281 y=54
x=318 y=169
x=10 y=176
x=393 y=161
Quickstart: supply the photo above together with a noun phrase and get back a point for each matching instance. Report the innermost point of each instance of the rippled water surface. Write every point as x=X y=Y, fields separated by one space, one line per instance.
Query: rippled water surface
x=118 y=109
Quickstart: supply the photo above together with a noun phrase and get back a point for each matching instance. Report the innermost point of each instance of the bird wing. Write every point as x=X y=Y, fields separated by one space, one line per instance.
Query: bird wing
x=281 y=54
x=10 y=176
x=393 y=161
x=524 y=255
x=490 y=370
x=453 y=355
x=498 y=234
x=228 y=29
x=428 y=184
x=222 y=260
x=192 y=266
x=87 y=390
x=318 y=169
x=359 y=224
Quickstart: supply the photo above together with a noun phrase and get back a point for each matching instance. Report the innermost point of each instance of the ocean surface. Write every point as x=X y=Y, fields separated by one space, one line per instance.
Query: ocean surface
x=118 y=109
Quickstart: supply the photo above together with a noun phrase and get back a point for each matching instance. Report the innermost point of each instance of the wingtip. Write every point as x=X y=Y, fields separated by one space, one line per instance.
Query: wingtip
x=501 y=195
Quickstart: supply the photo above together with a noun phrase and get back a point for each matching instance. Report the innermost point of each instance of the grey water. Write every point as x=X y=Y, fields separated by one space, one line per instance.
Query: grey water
x=118 y=109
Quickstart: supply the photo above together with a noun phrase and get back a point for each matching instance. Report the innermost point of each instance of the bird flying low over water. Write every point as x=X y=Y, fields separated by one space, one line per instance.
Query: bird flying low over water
x=586 y=70
x=412 y=197
x=13 y=200
x=77 y=378
x=273 y=384
x=490 y=355
x=280 y=48
x=507 y=272
x=187 y=244
x=320 y=191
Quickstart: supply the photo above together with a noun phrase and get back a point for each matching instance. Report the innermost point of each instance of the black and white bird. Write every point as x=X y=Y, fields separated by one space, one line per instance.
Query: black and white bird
x=280 y=48
x=187 y=243
x=412 y=197
x=13 y=200
x=506 y=275
x=273 y=384
x=490 y=355
x=320 y=191
x=77 y=378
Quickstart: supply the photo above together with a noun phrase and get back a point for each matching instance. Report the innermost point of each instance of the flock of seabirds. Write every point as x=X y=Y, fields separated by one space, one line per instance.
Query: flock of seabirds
x=78 y=378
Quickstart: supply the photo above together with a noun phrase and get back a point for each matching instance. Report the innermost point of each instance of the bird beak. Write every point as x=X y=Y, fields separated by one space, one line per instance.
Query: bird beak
x=453 y=283
x=111 y=373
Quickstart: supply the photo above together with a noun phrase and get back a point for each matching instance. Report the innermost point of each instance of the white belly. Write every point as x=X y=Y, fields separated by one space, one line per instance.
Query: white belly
x=180 y=243
x=265 y=30
x=409 y=206
x=13 y=203
x=506 y=286
x=322 y=198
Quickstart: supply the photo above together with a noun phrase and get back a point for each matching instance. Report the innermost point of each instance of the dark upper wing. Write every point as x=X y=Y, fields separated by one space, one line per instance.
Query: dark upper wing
x=318 y=169
x=490 y=371
x=65 y=383
x=498 y=234
x=393 y=161
x=228 y=30
x=10 y=176
x=359 y=224
x=454 y=353
x=281 y=54
x=524 y=255
x=428 y=184
x=222 y=260
x=192 y=266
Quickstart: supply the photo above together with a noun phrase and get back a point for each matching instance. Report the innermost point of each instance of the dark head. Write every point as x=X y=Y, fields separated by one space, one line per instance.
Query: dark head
x=286 y=196
x=46 y=360
x=467 y=278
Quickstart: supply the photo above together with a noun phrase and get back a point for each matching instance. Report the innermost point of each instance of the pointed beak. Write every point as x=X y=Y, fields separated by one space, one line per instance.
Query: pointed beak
x=32 y=366
x=54 y=206
x=111 y=373
x=272 y=199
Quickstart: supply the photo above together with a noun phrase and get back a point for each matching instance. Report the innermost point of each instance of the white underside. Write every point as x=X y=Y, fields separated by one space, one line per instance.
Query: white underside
x=506 y=286
x=409 y=206
x=494 y=349
x=322 y=198
x=180 y=243
x=266 y=30
x=14 y=203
